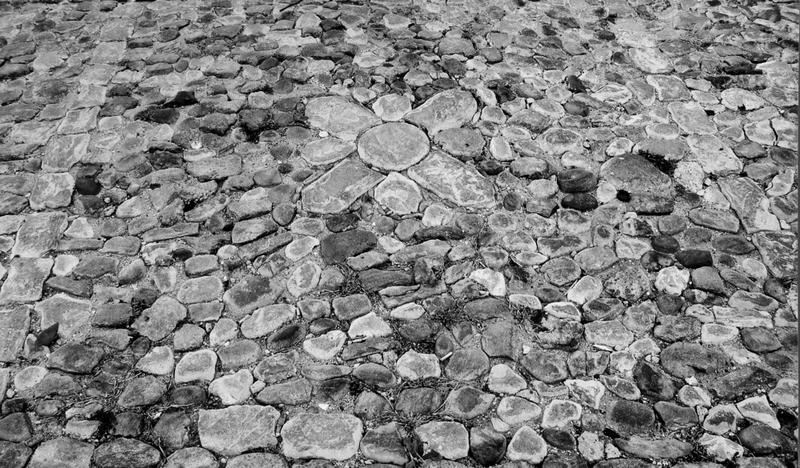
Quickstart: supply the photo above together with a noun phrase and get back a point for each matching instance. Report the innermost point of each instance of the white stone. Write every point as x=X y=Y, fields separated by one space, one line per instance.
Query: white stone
x=493 y=281
x=327 y=346
x=369 y=326
x=232 y=389
x=157 y=361
x=672 y=280
x=415 y=366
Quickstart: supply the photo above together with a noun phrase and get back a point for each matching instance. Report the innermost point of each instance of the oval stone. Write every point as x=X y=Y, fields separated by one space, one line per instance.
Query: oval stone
x=393 y=146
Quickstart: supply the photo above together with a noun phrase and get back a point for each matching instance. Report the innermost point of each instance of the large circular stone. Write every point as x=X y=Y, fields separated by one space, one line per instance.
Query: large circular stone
x=393 y=146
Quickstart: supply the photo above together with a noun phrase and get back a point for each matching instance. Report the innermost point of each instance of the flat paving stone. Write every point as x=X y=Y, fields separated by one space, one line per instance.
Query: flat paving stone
x=338 y=188
x=339 y=117
x=393 y=146
x=14 y=325
x=460 y=234
x=447 y=109
x=237 y=429
x=454 y=181
x=327 y=436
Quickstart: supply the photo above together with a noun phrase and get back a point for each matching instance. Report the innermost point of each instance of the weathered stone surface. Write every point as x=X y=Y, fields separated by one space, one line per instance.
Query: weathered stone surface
x=399 y=194
x=73 y=316
x=453 y=180
x=329 y=436
x=237 y=429
x=650 y=190
x=339 y=117
x=777 y=249
x=714 y=155
x=750 y=204
x=62 y=452
x=75 y=358
x=14 y=324
x=527 y=446
x=327 y=151
x=38 y=234
x=338 y=188
x=393 y=146
x=223 y=221
x=449 y=439
x=124 y=452
x=25 y=279
x=160 y=319
x=447 y=109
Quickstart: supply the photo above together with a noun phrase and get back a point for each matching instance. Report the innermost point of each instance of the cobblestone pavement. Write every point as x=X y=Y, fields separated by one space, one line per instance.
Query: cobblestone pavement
x=421 y=234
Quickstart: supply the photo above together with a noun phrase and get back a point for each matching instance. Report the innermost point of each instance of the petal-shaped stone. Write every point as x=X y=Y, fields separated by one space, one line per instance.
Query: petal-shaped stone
x=447 y=109
x=398 y=194
x=339 y=117
x=334 y=436
x=340 y=187
x=391 y=107
x=393 y=146
x=327 y=151
x=453 y=180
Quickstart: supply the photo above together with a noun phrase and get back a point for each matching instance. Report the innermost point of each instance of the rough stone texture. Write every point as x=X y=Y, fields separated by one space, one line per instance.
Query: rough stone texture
x=440 y=233
x=454 y=181
x=338 y=188
x=339 y=116
x=237 y=429
x=328 y=436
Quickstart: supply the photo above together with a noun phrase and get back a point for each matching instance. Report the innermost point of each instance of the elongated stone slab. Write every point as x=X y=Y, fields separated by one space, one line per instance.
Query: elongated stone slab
x=750 y=203
x=448 y=109
x=340 y=187
x=340 y=117
x=778 y=250
x=326 y=151
x=454 y=181
x=14 y=324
